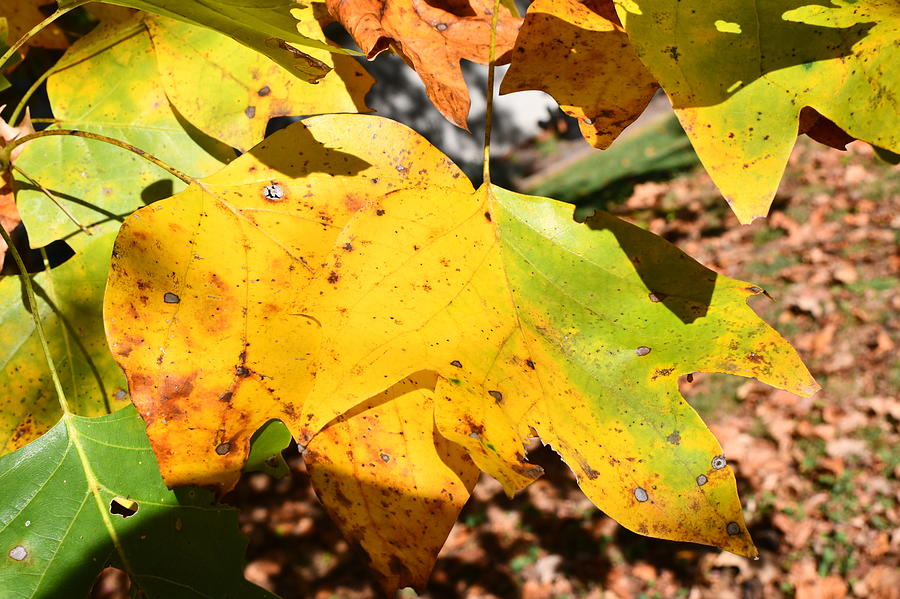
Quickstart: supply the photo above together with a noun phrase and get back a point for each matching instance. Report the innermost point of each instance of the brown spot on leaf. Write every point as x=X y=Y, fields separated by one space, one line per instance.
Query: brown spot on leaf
x=333 y=277
x=498 y=397
x=674 y=438
x=250 y=111
x=264 y=91
x=456 y=363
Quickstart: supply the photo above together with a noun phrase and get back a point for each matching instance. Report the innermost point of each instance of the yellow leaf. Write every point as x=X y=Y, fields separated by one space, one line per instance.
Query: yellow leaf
x=249 y=87
x=579 y=54
x=345 y=254
x=391 y=481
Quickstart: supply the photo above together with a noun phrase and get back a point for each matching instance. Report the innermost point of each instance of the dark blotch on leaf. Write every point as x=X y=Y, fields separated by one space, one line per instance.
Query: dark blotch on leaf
x=456 y=363
x=733 y=528
x=487 y=216
x=674 y=438
x=498 y=397
x=242 y=371
x=223 y=448
x=642 y=350
x=171 y=298
x=333 y=277
x=379 y=212
x=348 y=247
x=263 y=91
x=250 y=111
x=226 y=396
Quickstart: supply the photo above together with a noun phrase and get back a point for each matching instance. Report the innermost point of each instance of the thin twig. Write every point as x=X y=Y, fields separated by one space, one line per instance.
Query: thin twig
x=489 y=109
x=37 y=29
x=53 y=198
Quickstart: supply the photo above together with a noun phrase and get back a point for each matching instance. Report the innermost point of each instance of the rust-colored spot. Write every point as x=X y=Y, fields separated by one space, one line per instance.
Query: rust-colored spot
x=755 y=358
x=347 y=247
x=333 y=277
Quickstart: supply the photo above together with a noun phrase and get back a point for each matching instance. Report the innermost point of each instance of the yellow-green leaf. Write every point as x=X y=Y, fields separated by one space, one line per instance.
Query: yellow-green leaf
x=70 y=298
x=266 y=26
x=345 y=253
x=391 y=482
x=249 y=88
x=110 y=85
x=739 y=73
x=579 y=54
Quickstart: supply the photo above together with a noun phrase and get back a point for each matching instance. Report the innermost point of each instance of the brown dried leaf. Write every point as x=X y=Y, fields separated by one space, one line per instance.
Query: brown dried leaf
x=432 y=37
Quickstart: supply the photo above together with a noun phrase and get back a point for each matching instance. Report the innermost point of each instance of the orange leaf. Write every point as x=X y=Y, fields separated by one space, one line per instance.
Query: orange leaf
x=579 y=54
x=432 y=37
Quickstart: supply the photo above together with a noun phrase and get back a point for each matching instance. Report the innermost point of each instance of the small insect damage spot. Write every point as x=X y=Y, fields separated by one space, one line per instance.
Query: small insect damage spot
x=347 y=247
x=498 y=397
x=690 y=377
x=226 y=397
x=702 y=480
x=755 y=358
x=384 y=457
x=674 y=438
x=171 y=298
x=223 y=448
x=250 y=111
x=242 y=371
x=121 y=394
x=456 y=363
x=18 y=553
x=487 y=216
x=719 y=462
x=379 y=212
x=642 y=350
x=733 y=528
x=441 y=26
x=264 y=91
x=273 y=192
x=122 y=506
x=662 y=372
x=530 y=364
x=333 y=277
x=641 y=494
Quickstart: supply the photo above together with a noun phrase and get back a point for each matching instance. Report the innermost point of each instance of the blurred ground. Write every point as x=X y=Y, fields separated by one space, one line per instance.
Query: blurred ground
x=819 y=477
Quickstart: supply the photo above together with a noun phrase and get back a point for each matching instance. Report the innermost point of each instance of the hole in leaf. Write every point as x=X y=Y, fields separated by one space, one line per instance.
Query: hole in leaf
x=120 y=506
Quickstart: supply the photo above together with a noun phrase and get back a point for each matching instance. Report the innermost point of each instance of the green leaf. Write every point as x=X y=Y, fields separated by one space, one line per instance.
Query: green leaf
x=267 y=26
x=70 y=302
x=59 y=524
x=110 y=87
x=739 y=73
x=266 y=446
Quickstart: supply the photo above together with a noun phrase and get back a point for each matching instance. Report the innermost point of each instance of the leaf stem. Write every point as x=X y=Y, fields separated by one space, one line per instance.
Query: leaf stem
x=97 y=137
x=37 y=29
x=53 y=198
x=489 y=96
